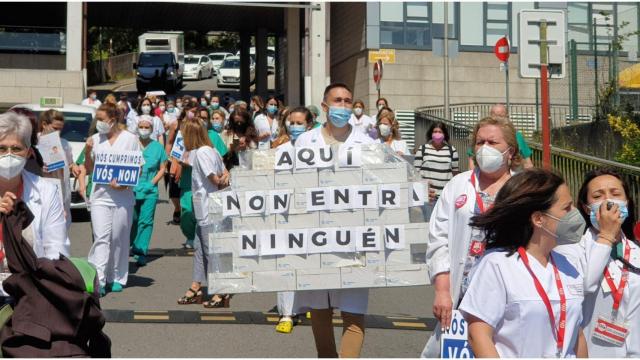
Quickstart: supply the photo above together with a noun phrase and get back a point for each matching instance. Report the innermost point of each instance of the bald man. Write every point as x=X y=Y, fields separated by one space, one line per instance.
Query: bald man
x=500 y=111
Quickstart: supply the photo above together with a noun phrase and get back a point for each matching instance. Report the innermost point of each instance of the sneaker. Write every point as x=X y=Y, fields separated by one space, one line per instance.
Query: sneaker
x=116 y=287
x=188 y=244
x=103 y=291
x=285 y=325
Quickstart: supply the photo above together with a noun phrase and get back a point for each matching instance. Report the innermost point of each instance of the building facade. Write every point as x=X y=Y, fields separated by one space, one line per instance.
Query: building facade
x=415 y=29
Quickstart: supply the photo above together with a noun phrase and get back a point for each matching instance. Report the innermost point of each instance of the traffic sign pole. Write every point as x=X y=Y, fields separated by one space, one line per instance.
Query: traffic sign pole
x=506 y=72
x=544 y=94
x=502 y=50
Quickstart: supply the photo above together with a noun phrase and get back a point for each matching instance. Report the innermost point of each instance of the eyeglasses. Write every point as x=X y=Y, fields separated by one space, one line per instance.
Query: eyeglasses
x=4 y=150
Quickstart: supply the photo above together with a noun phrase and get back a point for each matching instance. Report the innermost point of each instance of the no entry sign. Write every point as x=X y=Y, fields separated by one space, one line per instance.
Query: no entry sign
x=502 y=49
x=377 y=72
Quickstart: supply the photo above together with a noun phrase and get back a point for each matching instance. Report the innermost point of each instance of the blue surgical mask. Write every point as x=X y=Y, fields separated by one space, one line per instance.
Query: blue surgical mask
x=272 y=109
x=595 y=207
x=215 y=105
x=296 y=130
x=217 y=126
x=339 y=116
x=171 y=110
x=203 y=103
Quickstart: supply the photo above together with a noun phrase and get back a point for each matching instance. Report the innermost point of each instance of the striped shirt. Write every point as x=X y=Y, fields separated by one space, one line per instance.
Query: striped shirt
x=436 y=166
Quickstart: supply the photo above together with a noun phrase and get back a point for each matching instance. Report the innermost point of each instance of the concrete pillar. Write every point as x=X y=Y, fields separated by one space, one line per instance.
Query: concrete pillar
x=74 y=36
x=292 y=89
x=318 y=54
x=245 y=76
x=261 y=62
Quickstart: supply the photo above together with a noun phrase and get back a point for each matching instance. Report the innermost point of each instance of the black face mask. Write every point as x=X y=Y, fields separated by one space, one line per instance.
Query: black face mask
x=240 y=127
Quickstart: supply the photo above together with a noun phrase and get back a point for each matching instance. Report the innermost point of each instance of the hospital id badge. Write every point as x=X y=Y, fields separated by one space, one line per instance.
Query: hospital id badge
x=610 y=331
x=477 y=248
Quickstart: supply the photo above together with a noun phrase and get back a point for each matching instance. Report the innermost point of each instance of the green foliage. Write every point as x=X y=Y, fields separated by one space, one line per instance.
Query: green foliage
x=121 y=41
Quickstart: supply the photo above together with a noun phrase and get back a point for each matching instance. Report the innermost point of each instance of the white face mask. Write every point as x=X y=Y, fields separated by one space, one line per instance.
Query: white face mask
x=357 y=111
x=144 y=133
x=146 y=109
x=385 y=130
x=11 y=165
x=380 y=107
x=103 y=127
x=490 y=159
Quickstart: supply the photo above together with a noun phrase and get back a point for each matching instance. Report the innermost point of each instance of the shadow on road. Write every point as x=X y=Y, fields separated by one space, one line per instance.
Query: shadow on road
x=138 y=281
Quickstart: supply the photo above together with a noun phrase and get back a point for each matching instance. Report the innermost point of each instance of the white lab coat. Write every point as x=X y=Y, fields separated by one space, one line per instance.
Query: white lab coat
x=593 y=257
x=449 y=241
x=49 y=227
x=354 y=301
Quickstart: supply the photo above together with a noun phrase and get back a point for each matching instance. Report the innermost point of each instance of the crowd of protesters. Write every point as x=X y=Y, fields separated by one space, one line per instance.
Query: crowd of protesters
x=560 y=273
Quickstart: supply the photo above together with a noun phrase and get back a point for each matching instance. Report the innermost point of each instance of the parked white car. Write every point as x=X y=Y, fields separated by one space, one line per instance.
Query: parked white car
x=197 y=67
x=217 y=58
x=271 y=58
x=77 y=122
x=229 y=72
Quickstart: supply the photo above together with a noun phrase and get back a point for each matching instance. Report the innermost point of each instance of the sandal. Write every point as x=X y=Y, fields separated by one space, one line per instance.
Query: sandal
x=284 y=326
x=223 y=302
x=194 y=298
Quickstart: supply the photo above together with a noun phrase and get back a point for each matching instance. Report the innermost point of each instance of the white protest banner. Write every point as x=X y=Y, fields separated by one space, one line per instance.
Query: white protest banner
x=178 y=150
x=418 y=193
x=279 y=201
x=454 y=343
x=284 y=158
x=323 y=217
x=230 y=204
x=350 y=156
x=50 y=147
x=313 y=157
x=123 y=166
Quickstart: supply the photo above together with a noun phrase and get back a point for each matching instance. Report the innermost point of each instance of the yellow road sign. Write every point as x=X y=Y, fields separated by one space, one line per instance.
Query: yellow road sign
x=388 y=56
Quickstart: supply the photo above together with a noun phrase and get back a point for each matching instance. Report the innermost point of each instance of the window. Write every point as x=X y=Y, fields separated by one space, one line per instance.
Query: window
x=405 y=25
x=471 y=25
x=498 y=16
x=32 y=41
x=578 y=24
x=628 y=14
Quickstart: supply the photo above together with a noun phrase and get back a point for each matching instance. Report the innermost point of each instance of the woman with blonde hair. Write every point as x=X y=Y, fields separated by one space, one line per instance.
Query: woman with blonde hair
x=208 y=175
x=389 y=131
x=454 y=246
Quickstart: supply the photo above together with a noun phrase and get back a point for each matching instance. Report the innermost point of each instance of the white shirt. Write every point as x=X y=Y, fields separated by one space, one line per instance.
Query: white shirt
x=49 y=227
x=205 y=161
x=397 y=146
x=593 y=258
x=314 y=137
x=104 y=194
x=262 y=126
x=90 y=102
x=156 y=133
x=503 y=295
x=363 y=124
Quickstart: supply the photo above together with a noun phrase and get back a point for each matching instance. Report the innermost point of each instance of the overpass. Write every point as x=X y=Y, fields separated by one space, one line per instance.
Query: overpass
x=29 y=69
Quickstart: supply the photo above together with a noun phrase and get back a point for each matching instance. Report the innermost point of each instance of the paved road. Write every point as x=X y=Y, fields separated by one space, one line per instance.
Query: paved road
x=156 y=287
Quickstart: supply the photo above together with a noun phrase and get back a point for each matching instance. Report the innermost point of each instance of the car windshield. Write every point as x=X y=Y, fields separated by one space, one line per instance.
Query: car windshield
x=76 y=126
x=231 y=64
x=216 y=57
x=191 y=60
x=154 y=60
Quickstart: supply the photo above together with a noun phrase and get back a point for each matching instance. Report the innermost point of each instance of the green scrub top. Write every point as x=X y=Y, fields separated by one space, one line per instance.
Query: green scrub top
x=524 y=149
x=154 y=156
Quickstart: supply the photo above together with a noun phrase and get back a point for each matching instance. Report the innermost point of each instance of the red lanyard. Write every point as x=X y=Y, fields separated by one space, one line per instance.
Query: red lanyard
x=617 y=292
x=479 y=202
x=547 y=303
x=19 y=196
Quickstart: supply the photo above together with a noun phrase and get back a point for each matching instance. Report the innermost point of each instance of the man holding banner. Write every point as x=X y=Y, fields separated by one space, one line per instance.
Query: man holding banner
x=337 y=103
x=114 y=158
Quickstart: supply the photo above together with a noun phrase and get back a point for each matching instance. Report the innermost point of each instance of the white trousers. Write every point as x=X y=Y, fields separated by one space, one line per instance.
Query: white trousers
x=285 y=303
x=110 y=250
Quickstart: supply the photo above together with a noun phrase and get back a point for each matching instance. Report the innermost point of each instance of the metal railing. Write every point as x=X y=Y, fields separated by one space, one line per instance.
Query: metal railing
x=571 y=165
x=525 y=116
